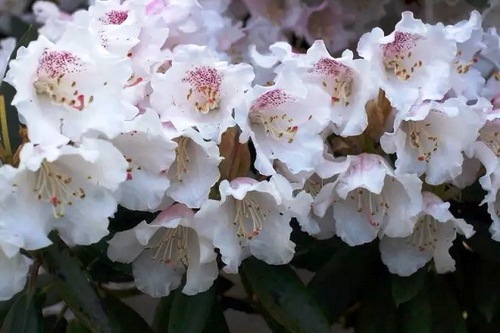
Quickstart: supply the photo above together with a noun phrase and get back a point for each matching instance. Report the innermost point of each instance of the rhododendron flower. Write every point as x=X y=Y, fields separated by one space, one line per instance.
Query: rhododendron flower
x=69 y=88
x=195 y=169
x=249 y=219
x=425 y=139
x=116 y=24
x=162 y=251
x=284 y=122
x=71 y=189
x=199 y=90
x=413 y=63
x=370 y=199
x=149 y=153
x=467 y=80
x=347 y=81
x=434 y=233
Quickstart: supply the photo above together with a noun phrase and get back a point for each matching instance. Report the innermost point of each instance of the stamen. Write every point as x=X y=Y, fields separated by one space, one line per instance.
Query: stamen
x=248 y=209
x=422 y=140
x=53 y=186
x=172 y=247
x=182 y=160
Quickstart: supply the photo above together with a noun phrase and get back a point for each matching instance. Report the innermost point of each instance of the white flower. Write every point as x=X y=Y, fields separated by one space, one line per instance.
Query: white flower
x=13 y=271
x=413 y=63
x=434 y=233
x=70 y=188
x=249 y=219
x=284 y=122
x=431 y=137
x=117 y=25
x=467 y=80
x=198 y=90
x=347 y=81
x=370 y=199
x=149 y=153
x=195 y=170
x=70 y=88
x=161 y=252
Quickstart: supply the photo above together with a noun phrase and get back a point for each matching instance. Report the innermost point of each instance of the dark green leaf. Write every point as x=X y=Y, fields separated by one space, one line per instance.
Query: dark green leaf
x=123 y=318
x=481 y=4
x=405 y=288
x=414 y=316
x=216 y=322
x=75 y=326
x=162 y=314
x=5 y=307
x=341 y=281
x=284 y=297
x=487 y=289
x=189 y=314
x=74 y=286
x=446 y=312
x=25 y=316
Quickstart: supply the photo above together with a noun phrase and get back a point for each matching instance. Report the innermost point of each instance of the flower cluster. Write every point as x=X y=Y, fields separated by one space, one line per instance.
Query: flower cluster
x=174 y=107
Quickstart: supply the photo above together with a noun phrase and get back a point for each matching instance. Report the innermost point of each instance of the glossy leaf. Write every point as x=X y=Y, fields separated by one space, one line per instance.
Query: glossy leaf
x=189 y=314
x=340 y=283
x=25 y=316
x=405 y=288
x=123 y=318
x=74 y=286
x=162 y=314
x=415 y=316
x=284 y=297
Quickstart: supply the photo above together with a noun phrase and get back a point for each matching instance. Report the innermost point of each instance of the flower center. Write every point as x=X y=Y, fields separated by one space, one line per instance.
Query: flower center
x=114 y=17
x=182 y=159
x=205 y=88
x=54 y=187
x=373 y=206
x=423 y=236
x=54 y=74
x=398 y=55
x=277 y=125
x=421 y=139
x=337 y=79
x=172 y=246
x=248 y=212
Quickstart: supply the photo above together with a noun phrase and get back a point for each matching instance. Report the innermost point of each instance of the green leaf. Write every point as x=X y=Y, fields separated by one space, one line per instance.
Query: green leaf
x=481 y=4
x=216 y=322
x=405 y=288
x=189 y=314
x=446 y=312
x=162 y=314
x=9 y=119
x=284 y=297
x=415 y=316
x=25 y=316
x=74 y=286
x=487 y=288
x=75 y=326
x=340 y=283
x=5 y=307
x=123 y=318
